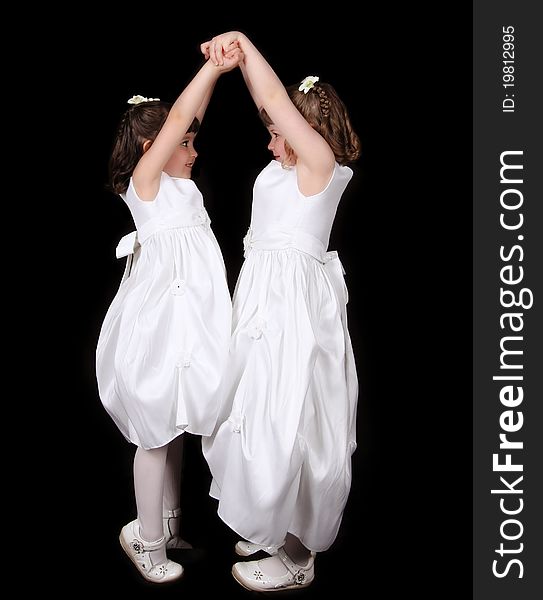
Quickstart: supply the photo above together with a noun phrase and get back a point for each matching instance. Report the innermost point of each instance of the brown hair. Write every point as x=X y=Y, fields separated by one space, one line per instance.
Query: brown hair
x=139 y=123
x=324 y=110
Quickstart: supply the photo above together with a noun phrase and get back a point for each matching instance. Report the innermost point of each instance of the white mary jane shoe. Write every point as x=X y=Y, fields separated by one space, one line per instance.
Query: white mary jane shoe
x=171 y=519
x=149 y=557
x=251 y=576
x=244 y=548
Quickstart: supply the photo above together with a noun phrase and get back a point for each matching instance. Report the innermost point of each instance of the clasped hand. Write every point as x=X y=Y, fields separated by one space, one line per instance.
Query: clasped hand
x=223 y=50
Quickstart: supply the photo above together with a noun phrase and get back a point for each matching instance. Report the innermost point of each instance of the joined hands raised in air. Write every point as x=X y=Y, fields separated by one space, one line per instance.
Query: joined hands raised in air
x=223 y=48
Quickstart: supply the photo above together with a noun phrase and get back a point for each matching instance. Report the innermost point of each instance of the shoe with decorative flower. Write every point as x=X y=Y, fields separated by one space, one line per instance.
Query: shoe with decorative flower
x=253 y=575
x=243 y=548
x=149 y=557
x=172 y=520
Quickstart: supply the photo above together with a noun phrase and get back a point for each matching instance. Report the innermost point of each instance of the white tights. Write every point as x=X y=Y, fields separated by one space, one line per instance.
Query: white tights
x=157 y=485
x=172 y=479
x=295 y=550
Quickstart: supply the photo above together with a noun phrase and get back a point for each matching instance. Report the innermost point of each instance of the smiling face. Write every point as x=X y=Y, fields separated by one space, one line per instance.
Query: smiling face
x=182 y=160
x=277 y=145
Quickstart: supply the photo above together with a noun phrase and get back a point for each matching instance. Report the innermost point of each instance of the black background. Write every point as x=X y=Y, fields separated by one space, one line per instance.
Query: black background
x=403 y=232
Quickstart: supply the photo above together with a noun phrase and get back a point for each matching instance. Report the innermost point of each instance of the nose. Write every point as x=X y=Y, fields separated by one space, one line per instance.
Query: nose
x=270 y=145
x=193 y=152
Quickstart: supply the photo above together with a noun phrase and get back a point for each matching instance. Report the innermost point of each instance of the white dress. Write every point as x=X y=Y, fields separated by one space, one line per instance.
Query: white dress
x=163 y=345
x=281 y=454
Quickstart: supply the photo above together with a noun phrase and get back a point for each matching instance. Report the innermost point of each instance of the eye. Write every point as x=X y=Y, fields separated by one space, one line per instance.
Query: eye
x=185 y=143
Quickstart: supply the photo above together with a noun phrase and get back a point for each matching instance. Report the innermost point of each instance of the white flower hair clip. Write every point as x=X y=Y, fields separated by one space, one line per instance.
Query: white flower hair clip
x=140 y=99
x=308 y=83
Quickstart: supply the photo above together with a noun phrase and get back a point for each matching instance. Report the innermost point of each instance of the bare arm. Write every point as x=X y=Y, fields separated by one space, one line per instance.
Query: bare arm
x=205 y=48
x=192 y=102
x=315 y=157
x=203 y=107
x=249 y=85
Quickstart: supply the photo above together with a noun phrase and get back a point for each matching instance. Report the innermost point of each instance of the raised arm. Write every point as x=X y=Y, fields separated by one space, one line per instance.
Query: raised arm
x=191 y=103
x=249 y=85
x=315 y=157
x=203 y=106
x=205 y=48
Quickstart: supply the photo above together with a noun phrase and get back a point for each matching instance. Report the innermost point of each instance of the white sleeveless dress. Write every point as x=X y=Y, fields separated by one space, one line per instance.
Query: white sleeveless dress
x=163 y=345
x=281 y=454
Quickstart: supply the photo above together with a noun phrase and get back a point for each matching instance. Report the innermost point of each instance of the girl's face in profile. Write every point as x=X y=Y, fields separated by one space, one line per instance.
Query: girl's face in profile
x=277 y=144
x=182 y=160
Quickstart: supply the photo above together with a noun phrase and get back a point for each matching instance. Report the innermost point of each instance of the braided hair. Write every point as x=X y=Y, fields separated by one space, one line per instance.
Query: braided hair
x=323 y=100
x=324 y=110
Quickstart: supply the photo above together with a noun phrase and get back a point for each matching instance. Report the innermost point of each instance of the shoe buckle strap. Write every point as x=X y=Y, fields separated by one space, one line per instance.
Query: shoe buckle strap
x=140 y=545
x=296 y=570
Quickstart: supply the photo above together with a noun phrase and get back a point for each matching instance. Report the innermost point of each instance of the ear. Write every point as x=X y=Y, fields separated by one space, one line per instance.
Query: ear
x=146 y=145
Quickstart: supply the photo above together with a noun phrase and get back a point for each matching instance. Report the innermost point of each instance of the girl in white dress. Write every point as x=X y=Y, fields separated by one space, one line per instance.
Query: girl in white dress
x=164 y=342
x=281 y=454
